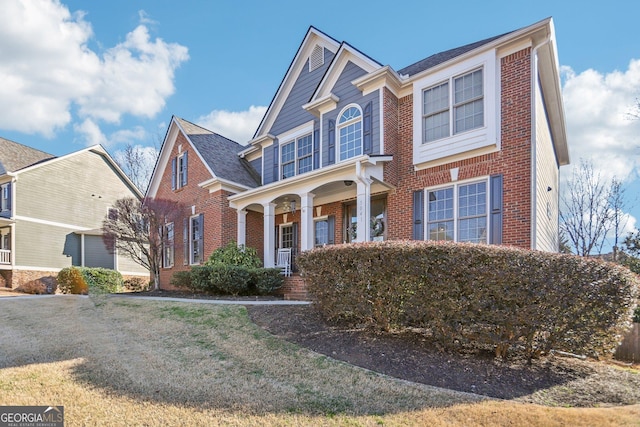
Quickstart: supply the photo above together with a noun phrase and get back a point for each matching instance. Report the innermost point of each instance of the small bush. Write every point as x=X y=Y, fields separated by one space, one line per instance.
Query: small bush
x=136 y=284
x=102 y=280
x=230 y=279
x=265 y=280
x=182 y=279
x=34 y=287
x=71 y=281
x=232 y=254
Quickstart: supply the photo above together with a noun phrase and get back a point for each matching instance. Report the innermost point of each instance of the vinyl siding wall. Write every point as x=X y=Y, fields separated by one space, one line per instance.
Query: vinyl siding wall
x=57 y=199
x=547 y=176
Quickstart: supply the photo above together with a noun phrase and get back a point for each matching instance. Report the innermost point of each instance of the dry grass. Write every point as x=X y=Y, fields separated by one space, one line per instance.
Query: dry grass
x=117 y=361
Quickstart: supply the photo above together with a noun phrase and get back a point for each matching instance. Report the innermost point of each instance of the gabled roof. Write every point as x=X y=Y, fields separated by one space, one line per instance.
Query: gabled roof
x=220 y=154
x=15 y=156
x=441 y=57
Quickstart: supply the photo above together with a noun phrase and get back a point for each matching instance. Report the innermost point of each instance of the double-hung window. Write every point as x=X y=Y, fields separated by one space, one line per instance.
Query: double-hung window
x=350 y=133
x=453 y=106
x=5 y=197
x=458 y=213
x=196 y=239
x=297 y=156
x=179 y=171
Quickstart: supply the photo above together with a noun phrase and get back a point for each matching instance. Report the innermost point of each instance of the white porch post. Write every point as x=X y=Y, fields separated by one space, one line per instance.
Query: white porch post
x=269 y=234
x=242 y=227
x=306 y=215
x=363 y=205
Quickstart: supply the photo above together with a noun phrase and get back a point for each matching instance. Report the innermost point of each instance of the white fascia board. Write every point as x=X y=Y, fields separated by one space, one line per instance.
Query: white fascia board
x=383 y=77
x=311 y=39
x=163 y=158
x=216 y=184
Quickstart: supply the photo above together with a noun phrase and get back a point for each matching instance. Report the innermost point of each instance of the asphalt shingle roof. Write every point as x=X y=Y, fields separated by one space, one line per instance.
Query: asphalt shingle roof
x=14 y=156
x=221 y=154
x=444 y=56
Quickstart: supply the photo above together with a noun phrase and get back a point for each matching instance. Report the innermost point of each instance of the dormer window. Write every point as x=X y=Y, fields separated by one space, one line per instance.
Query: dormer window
x=350 y=132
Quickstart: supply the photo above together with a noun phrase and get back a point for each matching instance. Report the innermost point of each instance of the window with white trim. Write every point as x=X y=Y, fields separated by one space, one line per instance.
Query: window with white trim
x=297 y=156
x=168 y=245
x=5 y=197
x=458 y=213
x=179 y=171
x=196 y=239
x=349 y=131
x=442 y=118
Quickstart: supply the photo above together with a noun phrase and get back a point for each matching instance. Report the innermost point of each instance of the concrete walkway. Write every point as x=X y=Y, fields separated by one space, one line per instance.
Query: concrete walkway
x=12 y=296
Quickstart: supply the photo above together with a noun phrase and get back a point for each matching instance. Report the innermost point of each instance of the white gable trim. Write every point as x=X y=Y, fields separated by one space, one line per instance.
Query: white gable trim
x=312 y=38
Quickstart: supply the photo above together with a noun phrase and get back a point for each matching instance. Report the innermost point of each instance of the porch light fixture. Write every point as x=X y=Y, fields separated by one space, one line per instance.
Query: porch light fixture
x=348 y=183
x=289 y=206
x=293 y=206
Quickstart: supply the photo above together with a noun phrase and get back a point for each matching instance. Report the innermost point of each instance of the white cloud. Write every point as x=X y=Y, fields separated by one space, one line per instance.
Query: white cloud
x=90 y=132
x=47 y=68
x=236 y=125
x=598 y=127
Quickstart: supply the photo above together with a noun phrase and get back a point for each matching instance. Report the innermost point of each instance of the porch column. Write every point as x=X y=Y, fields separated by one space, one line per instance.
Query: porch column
x=363 y=205
x=306 y=215
x=242 y=227
x=269 y=234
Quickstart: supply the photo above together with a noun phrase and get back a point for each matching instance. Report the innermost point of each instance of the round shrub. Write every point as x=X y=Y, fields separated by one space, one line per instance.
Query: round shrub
x=230 y=279
x=232 y=254
x=137 y=284
x=71 y=281
x=102 y=280
x=182 y=279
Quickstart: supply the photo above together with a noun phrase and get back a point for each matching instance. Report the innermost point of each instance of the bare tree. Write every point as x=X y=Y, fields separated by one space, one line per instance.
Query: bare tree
x=634 y=114
x=138 y=163
x=134 y=227
x=585 y=214
x=617 y=204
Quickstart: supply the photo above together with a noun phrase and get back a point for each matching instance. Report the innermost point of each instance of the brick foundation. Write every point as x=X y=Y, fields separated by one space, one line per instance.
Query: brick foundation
x=294 y=288
x=17 y=278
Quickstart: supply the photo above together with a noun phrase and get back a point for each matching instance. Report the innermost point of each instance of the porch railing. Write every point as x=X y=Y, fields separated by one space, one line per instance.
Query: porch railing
x=5 y=256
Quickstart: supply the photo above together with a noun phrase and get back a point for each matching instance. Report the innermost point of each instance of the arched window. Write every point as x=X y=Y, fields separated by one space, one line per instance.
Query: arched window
x=350 y=132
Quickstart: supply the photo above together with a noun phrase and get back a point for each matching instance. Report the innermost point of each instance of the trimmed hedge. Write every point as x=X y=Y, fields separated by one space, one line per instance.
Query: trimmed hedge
x=480 y=296
x=226 y=279
x=71 y=281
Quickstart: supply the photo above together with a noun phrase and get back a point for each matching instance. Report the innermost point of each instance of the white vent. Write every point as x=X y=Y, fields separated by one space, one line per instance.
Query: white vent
x=316 y=59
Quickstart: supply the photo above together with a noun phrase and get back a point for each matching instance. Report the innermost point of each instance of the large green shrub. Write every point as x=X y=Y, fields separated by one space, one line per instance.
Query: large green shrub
x=490 y=297
x=71 y=281
x=201 y=279
x=232 y=254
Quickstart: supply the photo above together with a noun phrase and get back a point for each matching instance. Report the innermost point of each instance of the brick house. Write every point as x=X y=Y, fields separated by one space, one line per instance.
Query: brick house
x=463 y=145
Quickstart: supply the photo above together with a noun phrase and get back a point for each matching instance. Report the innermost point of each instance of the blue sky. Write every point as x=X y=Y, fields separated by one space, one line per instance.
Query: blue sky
x=76 y=73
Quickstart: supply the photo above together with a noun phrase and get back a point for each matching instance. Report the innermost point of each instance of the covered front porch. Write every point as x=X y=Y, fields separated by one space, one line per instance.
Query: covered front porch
x=6 y=243
x=340 y=203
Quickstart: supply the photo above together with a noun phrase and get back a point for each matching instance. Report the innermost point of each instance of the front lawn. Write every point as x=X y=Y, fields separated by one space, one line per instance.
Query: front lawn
x=121 y=361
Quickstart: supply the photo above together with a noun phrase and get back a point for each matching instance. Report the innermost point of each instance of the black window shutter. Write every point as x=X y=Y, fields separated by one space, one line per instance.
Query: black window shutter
x=418 y=215
x=316 y=149
x=173 y=173
x=495 y=216
x=366 y=129
x=332 y=142
x=184 y=169
x=294 y=251
x=331 y=226
x=185 y=241
x=275 y=163
x=201 y=237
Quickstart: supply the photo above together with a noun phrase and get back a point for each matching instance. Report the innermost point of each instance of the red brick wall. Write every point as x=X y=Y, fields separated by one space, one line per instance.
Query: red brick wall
x=220 y=221
x=513 y=160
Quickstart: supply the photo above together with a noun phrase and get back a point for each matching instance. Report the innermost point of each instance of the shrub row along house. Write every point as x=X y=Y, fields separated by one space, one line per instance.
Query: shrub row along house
x=52 y=209
x=464 y=145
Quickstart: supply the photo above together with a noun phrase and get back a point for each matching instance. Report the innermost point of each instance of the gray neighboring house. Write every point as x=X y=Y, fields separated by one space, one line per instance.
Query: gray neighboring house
x=51 y=212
